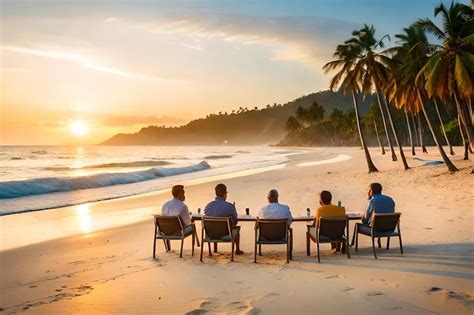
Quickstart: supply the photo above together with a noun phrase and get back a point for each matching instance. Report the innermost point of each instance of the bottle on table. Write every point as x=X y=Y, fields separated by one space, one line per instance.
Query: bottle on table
x=247 y=211
x=339 y=203
x=308 y=212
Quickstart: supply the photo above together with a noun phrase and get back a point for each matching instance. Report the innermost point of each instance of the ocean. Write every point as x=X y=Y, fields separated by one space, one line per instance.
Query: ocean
x=44 y=177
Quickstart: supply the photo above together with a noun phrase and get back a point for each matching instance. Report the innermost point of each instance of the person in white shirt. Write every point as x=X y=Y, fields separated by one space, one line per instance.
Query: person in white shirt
x=275 y=210
x=176 y=206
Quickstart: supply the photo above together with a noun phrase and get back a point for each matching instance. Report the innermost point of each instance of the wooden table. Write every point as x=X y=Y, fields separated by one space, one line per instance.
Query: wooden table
x=249 y=218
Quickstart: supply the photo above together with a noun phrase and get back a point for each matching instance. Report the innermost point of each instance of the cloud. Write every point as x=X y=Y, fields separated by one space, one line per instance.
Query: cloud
x=308 y=40
x=79 y=59
x=191 y=46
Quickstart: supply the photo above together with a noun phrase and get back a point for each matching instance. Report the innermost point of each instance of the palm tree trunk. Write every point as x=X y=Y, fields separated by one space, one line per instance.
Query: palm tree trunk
x=445 y=158
x=462 y=131
x=399 y=144
x=420 y=134
x=451 y=151
x=415 y=130
x=467 y=118
x=370 y=164
x=378 y=138
x=394 y=156
x=412 y=142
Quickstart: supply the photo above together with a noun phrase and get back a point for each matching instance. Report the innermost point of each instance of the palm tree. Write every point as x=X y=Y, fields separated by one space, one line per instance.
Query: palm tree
x=412 y=141
x=451 y=151
x=371 y=118
x=450 y=70
x=375 y=71
x=376 y=76
x=420 y=134
x=292 y=125
x=406 y=87
x=350 y=73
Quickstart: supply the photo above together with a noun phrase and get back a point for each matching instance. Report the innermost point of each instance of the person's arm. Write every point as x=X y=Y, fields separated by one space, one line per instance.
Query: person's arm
x=234 y=215
x=290 y=217
x=316 y=218
x=368 y=212
x=185 y=217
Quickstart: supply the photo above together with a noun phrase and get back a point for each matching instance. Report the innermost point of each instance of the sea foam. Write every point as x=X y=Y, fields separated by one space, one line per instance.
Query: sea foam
x=14 y=189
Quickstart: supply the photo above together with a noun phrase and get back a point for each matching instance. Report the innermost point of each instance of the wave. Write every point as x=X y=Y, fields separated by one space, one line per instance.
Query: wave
x=15 y=189
x=108 y=165
x=216 y=157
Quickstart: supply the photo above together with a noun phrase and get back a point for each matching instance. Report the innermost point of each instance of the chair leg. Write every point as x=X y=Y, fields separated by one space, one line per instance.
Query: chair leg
x=388 y=242
x=347 y=249
x=354 y=234
x=288 y=246
x=209 y=246
x=308 y=249
x=255 y=253
x=232 y=255
x=379 y=243
x=181 y=250
x=168 y=242
x=154 y=248
x=291 y=243
x=202 y=245
x=373 y=247
x=357 y=241
x=215 y=247
x=193 y=237
x=259 y=249
x=401 y=246
x=166 y=245
x=317 y=245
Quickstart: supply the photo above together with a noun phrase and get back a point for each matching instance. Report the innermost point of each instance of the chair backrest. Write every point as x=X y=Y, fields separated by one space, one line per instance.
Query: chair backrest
x=217 y=227
x=272 y=229
x=385 y=221
x=168 y=225
x=332 y=227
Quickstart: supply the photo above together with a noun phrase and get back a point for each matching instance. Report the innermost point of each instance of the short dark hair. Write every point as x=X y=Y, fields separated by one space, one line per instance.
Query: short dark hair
x=326 y=197
x=376 y=188
x=176 y=190
x=221 y=190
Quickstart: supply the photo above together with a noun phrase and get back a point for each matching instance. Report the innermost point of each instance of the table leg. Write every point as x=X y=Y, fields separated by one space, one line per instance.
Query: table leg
x=215 y=247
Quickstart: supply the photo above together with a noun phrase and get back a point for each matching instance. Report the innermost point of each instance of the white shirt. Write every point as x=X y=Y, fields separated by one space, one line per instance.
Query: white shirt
x=275 y=210
x=177 y=207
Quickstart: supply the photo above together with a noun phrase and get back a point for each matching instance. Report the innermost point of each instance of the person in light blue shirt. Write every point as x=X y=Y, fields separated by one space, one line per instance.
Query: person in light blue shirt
x=378 y=203
x=219 y=207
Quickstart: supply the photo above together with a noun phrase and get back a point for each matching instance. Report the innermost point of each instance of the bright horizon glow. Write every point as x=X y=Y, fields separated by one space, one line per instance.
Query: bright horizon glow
x=79 y=128
x=121 y=66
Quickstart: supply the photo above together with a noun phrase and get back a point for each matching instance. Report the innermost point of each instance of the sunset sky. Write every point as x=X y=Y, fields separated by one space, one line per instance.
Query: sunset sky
x=81 y=71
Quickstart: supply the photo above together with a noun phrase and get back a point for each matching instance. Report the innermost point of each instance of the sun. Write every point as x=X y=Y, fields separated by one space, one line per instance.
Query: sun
x=78 y=128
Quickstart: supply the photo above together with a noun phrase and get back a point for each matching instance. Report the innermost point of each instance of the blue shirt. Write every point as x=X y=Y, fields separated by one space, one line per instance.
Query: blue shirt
x=221 y=208
x=379 y=204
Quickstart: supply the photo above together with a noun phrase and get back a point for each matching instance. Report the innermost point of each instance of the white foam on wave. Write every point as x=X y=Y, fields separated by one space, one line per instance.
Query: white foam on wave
x=23 y=188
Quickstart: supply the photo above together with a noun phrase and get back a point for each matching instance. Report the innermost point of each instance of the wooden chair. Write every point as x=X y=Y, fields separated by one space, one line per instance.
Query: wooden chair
x=273 y=232
x=331 y=230
x=381 y=225
x=218 y=230
x=168 y=228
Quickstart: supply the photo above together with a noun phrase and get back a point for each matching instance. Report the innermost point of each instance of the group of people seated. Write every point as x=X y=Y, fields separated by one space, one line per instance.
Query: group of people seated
x=219 y=207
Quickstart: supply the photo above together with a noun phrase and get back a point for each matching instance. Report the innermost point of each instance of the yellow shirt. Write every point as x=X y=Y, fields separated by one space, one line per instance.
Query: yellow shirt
x=329 y=211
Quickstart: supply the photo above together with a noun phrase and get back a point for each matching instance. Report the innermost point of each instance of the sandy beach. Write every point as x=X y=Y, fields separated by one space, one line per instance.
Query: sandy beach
x=111 y=270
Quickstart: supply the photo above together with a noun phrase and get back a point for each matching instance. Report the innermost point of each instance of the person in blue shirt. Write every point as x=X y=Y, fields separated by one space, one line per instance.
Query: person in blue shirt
x=378 y=203
x=219 y=207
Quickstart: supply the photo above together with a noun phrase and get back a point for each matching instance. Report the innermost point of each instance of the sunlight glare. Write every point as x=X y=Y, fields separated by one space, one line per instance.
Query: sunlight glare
x=78 y=128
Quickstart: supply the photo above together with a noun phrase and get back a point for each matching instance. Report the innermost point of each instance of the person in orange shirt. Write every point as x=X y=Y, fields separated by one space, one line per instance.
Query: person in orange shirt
x=328 y=210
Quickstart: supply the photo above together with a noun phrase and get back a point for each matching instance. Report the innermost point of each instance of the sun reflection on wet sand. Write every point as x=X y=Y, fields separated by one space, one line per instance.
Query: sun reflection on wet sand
x=84 y=218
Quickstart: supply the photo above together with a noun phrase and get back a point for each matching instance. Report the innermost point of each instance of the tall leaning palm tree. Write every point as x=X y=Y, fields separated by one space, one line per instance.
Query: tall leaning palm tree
x=348 y=77
x=406 y=88
x=365 y=40
x=451 y=151
x=376 y=75
x=449 y=71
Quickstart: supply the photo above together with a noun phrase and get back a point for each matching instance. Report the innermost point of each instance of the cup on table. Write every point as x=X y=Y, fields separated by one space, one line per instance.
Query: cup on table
x=339 y=203
x=199 y=210
x=247 y=211
x=308 y=212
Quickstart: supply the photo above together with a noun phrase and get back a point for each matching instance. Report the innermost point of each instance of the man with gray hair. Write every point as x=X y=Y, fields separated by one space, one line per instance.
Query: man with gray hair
x=275 y=210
